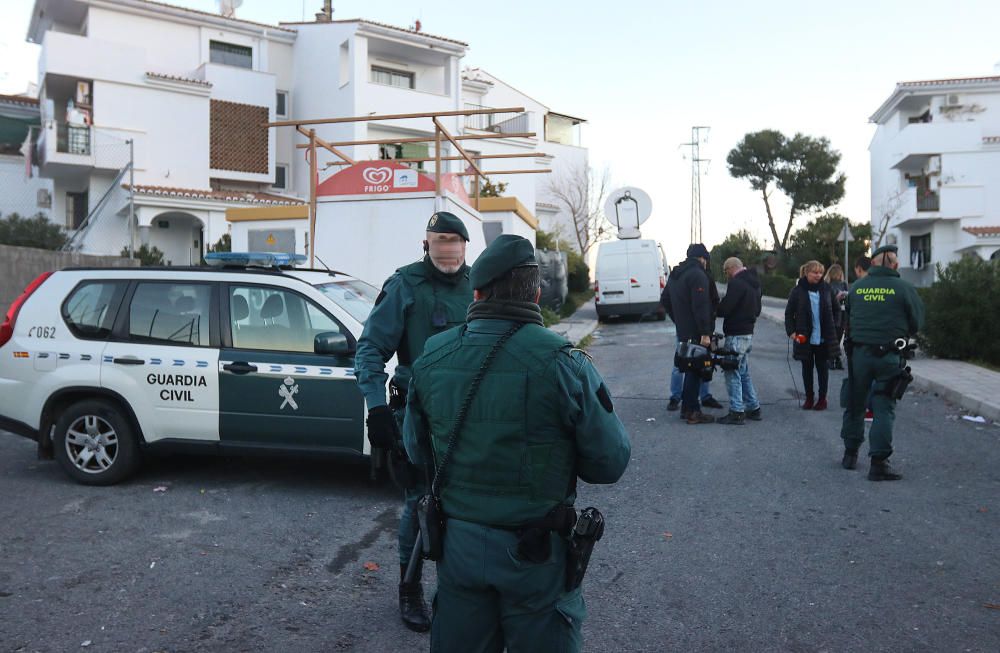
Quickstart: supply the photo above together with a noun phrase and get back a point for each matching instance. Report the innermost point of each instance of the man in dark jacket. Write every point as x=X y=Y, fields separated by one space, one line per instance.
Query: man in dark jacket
x=739 y=310
x=689 y=304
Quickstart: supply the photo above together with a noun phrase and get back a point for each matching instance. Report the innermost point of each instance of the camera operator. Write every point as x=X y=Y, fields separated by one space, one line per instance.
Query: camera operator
x=688 y=301
x=882 y=309
x=739 y=310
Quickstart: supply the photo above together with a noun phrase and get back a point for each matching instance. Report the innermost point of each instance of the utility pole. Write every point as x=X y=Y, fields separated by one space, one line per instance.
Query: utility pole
x=131 y=198
x=696 y=162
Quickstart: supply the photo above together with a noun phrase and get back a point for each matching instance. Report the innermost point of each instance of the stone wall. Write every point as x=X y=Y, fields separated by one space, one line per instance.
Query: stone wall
x=19 y=266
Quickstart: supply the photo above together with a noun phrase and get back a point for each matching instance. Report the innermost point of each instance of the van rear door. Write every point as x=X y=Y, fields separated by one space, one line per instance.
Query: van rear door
x=613 y=277
x=644 y=282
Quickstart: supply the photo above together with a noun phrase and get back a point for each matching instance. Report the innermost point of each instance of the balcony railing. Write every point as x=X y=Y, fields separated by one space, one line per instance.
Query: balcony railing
x=72 y=139
x=501 y=123
x=928 y=201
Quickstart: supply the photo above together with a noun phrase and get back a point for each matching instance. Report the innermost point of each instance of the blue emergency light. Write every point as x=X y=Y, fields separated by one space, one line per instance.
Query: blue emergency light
x=254 y=259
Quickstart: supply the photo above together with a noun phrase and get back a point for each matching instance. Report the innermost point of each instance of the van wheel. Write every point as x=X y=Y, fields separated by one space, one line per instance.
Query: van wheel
x=95 y=444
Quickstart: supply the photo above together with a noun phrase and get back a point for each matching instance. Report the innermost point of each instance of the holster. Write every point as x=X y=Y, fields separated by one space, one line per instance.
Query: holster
x=397 y=397
x=588 y=530
x=403 y=473
x=895 y=387
x=534 y=539
x=430 y=517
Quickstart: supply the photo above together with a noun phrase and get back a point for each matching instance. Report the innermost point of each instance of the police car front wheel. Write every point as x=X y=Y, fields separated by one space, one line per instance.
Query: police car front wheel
x=94 y=443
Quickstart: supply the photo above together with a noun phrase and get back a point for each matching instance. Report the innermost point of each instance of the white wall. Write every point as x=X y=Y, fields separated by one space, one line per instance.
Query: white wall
x=19 y=194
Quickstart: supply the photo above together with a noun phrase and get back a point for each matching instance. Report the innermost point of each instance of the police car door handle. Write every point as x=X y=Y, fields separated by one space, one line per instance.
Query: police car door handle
x=239 y=367
x=129 y=361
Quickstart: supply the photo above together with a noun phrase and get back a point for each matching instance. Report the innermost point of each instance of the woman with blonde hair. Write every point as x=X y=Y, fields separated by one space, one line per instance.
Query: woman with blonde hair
x=810 y=321
x=838 y=286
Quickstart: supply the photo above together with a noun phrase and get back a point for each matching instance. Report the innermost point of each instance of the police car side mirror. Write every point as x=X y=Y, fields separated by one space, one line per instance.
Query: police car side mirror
x=332 y=344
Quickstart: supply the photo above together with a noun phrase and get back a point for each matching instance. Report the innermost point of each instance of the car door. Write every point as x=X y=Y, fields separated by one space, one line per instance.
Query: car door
x=163 y=358
x=275 y=390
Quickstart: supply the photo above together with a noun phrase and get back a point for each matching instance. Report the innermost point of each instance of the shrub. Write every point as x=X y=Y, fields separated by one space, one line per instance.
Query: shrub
x=966 y=293
x=36 y=232
x=577 y=272
x=147 y=255
x=777 y=285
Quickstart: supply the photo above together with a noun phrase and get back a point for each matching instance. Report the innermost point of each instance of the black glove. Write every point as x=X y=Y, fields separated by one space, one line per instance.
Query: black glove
x=383 y=432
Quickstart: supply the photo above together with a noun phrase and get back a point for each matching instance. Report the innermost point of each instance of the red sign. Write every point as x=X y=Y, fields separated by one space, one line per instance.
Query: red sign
x=375 y=178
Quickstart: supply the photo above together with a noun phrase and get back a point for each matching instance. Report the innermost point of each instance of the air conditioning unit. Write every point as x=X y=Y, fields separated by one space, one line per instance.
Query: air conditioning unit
x=953 y=100
x=43 y=198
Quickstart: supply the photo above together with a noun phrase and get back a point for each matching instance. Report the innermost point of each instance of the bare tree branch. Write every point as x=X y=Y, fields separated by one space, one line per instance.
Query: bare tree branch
x=581 y=192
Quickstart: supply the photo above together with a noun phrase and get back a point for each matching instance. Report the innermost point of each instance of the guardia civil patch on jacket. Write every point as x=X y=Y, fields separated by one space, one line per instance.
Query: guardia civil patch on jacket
x=604 y=397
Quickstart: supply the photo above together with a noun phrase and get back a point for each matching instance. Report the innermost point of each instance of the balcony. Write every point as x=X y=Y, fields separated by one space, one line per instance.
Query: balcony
x=72 y=55
x=916 y=143
x=500 y=123
x=928 y=201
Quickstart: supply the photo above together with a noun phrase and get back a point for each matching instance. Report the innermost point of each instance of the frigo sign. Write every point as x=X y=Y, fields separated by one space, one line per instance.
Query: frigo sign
x=375 y=177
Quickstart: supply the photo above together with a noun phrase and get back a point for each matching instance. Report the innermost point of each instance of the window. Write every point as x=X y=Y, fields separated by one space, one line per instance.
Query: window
x=281 y=104
x=90 y=309
x=920 y=251
x=354 y=296
x=406 y=151
x=230 y=55
x=171 y=313
x=391 y=77
x=281 y=176
x=276 y=319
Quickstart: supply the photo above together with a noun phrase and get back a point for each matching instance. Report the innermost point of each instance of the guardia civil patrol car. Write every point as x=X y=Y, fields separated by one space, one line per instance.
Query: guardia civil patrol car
x=250 y=355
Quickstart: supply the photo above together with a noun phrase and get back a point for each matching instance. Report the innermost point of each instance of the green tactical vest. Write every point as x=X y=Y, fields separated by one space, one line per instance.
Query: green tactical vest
x=428 y=293
x=514 y=458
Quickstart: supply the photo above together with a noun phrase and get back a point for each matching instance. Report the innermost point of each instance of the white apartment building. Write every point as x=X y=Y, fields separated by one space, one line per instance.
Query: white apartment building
x=935 y=169
x=22 y=191
x=191 y=91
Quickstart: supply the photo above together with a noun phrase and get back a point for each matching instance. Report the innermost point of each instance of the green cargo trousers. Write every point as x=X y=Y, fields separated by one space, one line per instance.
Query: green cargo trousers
x=869 y=369
x=488 y=599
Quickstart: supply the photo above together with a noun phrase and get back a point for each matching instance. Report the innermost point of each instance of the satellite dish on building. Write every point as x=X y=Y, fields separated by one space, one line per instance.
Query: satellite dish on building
x=627 y=208
x=228 y=8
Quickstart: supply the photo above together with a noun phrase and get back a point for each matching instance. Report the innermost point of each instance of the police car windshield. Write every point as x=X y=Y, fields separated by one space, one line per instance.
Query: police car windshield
x=354 y=296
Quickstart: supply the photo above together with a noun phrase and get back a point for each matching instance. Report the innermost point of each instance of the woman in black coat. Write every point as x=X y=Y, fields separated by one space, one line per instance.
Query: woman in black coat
x=810 y=321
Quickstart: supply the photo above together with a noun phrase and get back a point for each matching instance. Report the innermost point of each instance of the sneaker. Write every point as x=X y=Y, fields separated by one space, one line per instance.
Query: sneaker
x=820 y=404
x=673 y=404
x=869 y=415
x=699 y=417
x=733 y=417
x=754 y=415
x=710 y=402
x=881 y=471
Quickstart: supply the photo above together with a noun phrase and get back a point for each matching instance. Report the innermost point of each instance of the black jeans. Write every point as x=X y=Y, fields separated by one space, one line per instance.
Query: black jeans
x=689 y=393
x=818 y=357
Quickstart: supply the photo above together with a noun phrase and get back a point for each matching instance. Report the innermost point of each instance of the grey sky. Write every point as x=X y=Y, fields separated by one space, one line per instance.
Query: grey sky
x=643 y=72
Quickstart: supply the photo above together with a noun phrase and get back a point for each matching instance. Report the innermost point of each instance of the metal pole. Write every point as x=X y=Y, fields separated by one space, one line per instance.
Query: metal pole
x=313 y=182
x=846 y=243
x=131 y=198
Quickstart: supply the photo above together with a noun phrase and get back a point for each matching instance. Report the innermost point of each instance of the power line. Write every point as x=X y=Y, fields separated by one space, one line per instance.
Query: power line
x=696 y=161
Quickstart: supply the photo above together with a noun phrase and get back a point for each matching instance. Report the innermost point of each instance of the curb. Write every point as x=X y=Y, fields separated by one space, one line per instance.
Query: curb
x=988 y=410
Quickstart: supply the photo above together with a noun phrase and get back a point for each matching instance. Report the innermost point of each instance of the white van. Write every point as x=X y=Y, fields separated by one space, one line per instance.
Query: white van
x=629 y=277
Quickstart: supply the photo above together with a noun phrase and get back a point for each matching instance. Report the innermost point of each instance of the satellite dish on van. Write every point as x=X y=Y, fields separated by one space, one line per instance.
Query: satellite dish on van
x=626 y=209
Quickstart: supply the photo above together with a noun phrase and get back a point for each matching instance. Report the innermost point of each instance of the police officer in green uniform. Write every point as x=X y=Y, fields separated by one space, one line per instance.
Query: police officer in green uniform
x=881 y=308
x=418 y=301
x=540 y=417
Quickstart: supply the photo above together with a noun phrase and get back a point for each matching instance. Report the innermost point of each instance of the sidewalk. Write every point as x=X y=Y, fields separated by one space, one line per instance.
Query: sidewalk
x=579 y=325
x=976 y=389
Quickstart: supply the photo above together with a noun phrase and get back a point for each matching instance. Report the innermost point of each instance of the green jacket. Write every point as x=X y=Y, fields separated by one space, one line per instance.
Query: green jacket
x=541 y=418
x=402 y=321
x=882 y=307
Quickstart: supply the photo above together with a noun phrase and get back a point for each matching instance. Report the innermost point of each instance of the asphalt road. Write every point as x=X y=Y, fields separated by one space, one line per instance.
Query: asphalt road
x=720 y=538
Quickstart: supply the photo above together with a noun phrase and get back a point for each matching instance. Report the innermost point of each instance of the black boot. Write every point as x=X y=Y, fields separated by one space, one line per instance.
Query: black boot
x=850 y=459
x=673 y=404
x=881 y=471
x=733 y=417
x=754 y=415
x=412 y=608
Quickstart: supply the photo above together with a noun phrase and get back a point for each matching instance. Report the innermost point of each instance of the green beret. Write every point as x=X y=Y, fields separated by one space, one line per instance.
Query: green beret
x=504 y=254
x=443 y=222
x=885 y=248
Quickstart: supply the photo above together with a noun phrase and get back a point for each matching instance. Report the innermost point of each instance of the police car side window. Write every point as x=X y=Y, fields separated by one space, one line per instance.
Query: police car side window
x=89 y=311
x=275 y=319
x=171 y=313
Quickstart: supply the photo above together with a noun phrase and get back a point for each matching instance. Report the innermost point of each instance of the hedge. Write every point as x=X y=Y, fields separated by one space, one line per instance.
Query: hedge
x=961 y=309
